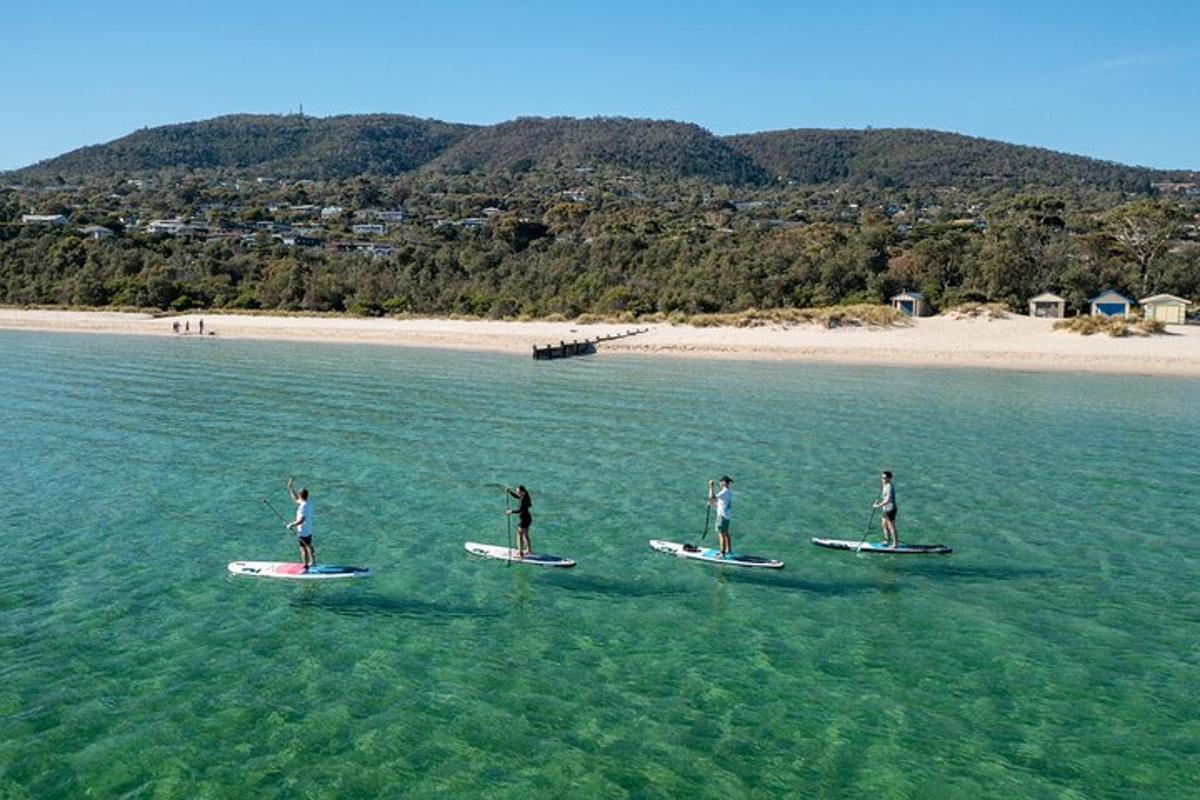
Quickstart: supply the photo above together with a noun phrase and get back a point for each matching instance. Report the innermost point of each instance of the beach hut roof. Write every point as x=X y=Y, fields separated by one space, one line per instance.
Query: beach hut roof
x=1165 y=298
x=1110 y=293
x=907 y=295
x=1047 y=297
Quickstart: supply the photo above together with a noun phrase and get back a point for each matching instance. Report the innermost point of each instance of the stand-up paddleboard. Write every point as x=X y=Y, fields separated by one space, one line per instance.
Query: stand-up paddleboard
x=713 y=555
x=296 y=572
x=510 y=554
x=874 y=547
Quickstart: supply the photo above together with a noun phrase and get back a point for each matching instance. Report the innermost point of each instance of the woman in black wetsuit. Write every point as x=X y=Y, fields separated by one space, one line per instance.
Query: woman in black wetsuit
x=526 y=519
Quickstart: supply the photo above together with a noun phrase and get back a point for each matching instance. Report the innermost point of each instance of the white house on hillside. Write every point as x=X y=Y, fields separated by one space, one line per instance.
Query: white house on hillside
x=43 y=219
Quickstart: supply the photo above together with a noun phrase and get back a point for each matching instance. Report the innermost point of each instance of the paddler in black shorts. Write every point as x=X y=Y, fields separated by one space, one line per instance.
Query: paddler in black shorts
x=887 y=507
x=521 y=495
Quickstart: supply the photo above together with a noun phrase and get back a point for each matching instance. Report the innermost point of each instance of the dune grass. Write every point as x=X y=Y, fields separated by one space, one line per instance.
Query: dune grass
x=1113 y=326
x=871 y=315
x=988 y=311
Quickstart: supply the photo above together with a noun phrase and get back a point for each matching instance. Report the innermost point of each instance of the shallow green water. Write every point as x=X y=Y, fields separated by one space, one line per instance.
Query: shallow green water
x=1054 y=655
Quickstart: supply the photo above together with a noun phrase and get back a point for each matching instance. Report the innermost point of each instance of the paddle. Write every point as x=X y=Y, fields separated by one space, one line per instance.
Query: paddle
x=282 y=519
x=867 y=531
x=508 y=519
x=707 y=512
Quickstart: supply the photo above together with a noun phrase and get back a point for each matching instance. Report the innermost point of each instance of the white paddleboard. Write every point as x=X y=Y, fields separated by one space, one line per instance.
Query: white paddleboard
x=296 y=572
x=510 y=554
x=713 y=555
x=901 y=549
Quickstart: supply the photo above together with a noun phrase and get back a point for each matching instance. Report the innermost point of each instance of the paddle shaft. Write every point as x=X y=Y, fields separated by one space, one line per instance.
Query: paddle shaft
x=282 y=519
x=508 y=519
x=867 y=530
x=707 y=512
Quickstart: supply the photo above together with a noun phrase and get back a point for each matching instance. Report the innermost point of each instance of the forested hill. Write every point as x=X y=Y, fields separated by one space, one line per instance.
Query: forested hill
x=285 y=146
x=295 y=146
x=670 y=149
x=907 y=158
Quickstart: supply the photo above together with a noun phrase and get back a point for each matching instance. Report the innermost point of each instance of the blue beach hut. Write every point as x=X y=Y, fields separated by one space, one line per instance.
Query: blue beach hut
x=1111 y=303
x=910 y=304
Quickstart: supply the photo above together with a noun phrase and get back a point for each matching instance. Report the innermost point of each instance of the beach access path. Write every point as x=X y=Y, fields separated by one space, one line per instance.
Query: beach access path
x=1017 y=343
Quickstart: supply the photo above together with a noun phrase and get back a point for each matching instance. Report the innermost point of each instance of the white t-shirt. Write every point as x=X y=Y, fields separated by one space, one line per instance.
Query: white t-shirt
x=887 y=496
x=304 y=511
x=724 y=500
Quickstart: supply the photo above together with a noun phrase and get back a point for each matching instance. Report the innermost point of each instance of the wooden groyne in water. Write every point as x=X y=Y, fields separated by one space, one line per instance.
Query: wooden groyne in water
x=579 y=347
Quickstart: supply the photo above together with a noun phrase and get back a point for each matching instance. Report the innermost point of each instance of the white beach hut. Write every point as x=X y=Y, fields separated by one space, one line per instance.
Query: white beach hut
x=910 y=304
x=1111 y=303
x=1047 y=304
x=1166 y=308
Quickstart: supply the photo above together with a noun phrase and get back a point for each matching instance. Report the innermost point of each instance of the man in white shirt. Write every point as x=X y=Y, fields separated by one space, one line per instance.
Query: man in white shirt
x=723 y=500
x=303 y=524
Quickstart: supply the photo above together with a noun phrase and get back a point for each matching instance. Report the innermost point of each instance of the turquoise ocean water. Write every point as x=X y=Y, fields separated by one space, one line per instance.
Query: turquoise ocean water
x=1054 y=655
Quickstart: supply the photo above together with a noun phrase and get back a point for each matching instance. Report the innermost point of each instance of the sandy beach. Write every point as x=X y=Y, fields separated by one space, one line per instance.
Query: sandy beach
x=1017 y=343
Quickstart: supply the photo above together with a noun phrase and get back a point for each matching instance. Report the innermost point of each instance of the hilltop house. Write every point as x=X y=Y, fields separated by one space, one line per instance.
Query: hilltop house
x=43 y=219
x=170 y=227
x=95 y=231
x=1111 y=303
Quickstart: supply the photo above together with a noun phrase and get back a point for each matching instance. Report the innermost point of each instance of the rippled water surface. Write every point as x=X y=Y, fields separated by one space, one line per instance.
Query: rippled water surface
x=1054 y=655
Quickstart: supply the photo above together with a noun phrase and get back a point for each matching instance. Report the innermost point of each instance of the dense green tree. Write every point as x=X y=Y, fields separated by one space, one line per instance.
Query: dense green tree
x=1141 y=232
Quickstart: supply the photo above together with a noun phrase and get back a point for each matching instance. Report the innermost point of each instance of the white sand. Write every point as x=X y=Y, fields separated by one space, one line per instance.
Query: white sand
x=1016 y=343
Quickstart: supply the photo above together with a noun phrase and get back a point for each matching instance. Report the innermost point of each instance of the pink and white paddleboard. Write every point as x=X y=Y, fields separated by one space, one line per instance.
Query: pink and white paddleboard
x=296 y=572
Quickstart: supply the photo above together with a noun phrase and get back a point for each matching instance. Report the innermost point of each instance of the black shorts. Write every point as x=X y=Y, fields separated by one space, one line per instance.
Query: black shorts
x=305 y=540
x=524 y=522
x=890 y=514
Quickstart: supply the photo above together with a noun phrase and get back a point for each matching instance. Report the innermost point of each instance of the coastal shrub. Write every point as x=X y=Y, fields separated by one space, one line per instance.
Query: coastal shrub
x=361 y=308
x=246 y=299
x=869 y=314
x=975 y=310
x=1116 y=327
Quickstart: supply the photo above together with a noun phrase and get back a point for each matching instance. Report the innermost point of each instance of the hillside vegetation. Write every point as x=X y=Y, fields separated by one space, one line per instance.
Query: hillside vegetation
x=617 y=217
x=670 y=149
x=294 y=146
x=906 y=158
x=290 y=146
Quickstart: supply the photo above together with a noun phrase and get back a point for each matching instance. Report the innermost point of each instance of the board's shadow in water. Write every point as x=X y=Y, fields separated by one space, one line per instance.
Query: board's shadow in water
x=609 y=587
x=971 y=572
x=374 y=605
x=834 y=589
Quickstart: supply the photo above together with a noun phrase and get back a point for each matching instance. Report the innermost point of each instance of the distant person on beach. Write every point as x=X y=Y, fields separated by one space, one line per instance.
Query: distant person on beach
x=201 y=327
x=303 y=524
x=887 y=507
x=723 y=500
x=175 y=327
x=521 y=495
x=187 y=327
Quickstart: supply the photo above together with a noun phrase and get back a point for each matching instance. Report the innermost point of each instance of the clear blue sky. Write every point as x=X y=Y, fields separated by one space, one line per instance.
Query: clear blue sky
x=1113 y=80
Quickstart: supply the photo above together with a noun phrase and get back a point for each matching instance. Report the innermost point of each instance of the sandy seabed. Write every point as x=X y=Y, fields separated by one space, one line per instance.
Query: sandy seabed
x=1017 y=343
